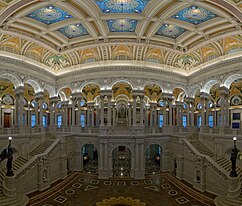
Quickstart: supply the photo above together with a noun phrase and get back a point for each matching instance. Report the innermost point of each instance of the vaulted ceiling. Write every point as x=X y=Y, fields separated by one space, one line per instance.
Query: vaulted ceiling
x=60 y=35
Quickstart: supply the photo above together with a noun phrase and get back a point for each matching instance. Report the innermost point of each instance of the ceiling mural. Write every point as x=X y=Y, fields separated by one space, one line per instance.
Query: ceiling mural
x=49 y=15
x=153 y=92
x=122 y=6
x=194 y=15
x=122 y=25
x=64 y=34
x=91 y=91
x=73 y=30
x=122 y=89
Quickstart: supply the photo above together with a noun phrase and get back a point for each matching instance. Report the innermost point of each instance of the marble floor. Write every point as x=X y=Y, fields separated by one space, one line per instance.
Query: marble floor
x=85 y=189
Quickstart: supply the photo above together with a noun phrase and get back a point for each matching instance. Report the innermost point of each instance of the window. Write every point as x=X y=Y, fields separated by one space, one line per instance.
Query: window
x=184 y=121
x=210 y=121
x=33 y=120
x=236 y=116
x=44 y=121
x=59 y=122
x=82 y=120
x=161 y=120
x=220 y=119
x=199 y=121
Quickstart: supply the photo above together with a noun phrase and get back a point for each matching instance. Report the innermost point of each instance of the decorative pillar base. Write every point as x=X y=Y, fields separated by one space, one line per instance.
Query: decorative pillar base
x=139 y=174
x=234 y=187
x=9 y=187
x=103 y=173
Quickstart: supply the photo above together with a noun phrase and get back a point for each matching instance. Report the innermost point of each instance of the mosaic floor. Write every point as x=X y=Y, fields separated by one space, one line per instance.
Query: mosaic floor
x=82 y=189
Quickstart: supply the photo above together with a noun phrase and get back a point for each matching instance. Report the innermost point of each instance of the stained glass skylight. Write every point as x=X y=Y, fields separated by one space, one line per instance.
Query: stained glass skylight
x=73 y=30
x=122 y=6
x=122 y=25
x=194 y=15
x=49 y=15
x=171 y=31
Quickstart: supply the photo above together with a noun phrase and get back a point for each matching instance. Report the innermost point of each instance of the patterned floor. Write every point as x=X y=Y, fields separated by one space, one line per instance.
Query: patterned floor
x=82 y=189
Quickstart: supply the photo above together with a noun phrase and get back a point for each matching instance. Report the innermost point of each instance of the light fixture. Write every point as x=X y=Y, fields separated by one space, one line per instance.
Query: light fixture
x=10 y=138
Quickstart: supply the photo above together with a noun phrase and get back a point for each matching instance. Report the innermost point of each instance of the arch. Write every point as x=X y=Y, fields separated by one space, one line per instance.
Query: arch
x=12 y=78
x=193 y=90
x=122 y=97
x=62 y=96
x=208 y=85
x=51 y=90
x=180 y=87
x=228 y=81
x=121 y=81
x=151 y=82
x=34 y=84
x=87 y=83
x=123 y=144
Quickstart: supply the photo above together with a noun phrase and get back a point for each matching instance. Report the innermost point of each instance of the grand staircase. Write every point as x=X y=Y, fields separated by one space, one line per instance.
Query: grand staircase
x=201 y=148
x=226 y=164
x=7 y=201
x=41 y=148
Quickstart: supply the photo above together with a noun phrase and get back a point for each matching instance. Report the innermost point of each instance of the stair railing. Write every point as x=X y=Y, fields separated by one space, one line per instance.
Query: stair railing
x=36 y=159
x=209 y=161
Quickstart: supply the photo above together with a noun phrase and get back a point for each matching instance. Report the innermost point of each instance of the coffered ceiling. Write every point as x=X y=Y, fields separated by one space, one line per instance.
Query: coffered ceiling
x=182 y=35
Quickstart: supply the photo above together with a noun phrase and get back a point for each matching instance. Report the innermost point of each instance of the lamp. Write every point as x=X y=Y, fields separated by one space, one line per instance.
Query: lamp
x=233 y=159
x=9 y=155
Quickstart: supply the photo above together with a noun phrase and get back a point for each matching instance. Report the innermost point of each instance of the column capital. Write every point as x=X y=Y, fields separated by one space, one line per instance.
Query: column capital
x=54 y=99
x=39 y=96
x=19 y=90
x=108 y=93
x=179 y=103
x=167 y=96
x=64 y=103
x=138 y=93
x=204 y=95
x=224 y=91
x=77 y=95
x=190 y=100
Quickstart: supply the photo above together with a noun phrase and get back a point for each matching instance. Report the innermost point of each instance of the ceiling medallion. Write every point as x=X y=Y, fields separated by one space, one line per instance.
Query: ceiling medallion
x=122 y=6
x=194 y=15
x=49 y=15
x=73 y=30
x=169 y=30
x=122 y=25
x=122 y=201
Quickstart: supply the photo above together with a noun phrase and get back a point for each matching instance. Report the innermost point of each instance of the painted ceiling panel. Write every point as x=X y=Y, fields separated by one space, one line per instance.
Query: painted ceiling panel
x=49 y=15
x=122 y=25
x=122 y=6
x=195 y=15
x=171 y=31
x=73 y=30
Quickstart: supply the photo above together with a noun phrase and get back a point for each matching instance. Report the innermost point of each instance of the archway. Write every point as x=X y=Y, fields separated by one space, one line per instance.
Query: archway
x=121 y=160
x=153 y=158
x=90 y=158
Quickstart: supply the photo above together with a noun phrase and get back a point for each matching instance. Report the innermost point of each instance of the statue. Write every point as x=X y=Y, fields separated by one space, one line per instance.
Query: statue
x=8 y=153
x=233 y=159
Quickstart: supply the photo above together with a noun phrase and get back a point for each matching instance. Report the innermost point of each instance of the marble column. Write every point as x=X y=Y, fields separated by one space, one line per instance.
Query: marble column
x=102 y=110
x=73 y=112
x=224 y=92
x=134 y=110
x=19 y=94
x=109 y=110
x=141 y=110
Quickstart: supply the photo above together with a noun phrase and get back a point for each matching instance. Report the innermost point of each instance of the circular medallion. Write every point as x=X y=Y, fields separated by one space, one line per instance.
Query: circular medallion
x=122 y=25
x=121 y=5
x=49 y=15
x=171 y=30
x=195 y=14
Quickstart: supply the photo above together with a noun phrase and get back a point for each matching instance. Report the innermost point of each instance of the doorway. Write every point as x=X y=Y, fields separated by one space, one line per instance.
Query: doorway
x=121 y=162
x=153 y=156
x=90 y=158
x=7 y=120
